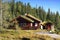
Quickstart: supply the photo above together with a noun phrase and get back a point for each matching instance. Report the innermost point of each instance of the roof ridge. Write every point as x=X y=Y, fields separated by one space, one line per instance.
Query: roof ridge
x=33 y=17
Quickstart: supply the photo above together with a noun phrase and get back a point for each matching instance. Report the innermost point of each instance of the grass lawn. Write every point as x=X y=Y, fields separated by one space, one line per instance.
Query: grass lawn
x=20 y=34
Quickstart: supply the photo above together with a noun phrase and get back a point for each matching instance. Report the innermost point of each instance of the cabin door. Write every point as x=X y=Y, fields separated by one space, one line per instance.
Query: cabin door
x=49 y=27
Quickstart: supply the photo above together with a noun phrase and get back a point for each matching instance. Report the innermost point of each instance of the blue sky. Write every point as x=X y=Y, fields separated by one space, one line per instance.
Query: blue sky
x=54 y=5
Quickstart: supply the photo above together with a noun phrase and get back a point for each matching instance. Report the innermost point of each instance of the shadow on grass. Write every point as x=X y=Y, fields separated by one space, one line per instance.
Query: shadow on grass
x=25 y=39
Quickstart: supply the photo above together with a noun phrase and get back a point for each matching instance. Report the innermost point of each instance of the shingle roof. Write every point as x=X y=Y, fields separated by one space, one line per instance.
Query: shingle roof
x=45 y=22
x=26 y=18
x=33 y=17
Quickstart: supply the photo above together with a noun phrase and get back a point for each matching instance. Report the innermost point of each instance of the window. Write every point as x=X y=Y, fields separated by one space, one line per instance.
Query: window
x=31 y=25
x=22 y=24
x=36 y=24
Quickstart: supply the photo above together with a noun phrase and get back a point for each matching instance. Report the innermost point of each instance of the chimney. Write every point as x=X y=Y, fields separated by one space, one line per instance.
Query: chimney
x=26 y=14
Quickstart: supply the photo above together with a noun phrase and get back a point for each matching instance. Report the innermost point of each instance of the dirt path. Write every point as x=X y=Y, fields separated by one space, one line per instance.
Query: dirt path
x=49 y=34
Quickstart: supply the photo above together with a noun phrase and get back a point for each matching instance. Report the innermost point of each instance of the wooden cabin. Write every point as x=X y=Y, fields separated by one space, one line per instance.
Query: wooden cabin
x=48 y=26
x=27 y=22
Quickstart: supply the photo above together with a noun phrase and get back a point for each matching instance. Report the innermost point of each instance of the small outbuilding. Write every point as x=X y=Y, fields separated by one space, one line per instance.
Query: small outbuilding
x=48 y=25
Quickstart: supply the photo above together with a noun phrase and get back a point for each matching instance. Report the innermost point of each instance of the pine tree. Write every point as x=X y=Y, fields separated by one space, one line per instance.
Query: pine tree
x=18 y=8
x=48 y=15
x=57 y=20
x=12 y=8
x=25 y=8
x=40 y=13
x=28 y=10
x=52 y=15
x=44 y=15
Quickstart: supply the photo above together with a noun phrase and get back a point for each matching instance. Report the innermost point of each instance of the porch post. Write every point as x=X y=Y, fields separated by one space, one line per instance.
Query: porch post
x=41 y=27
